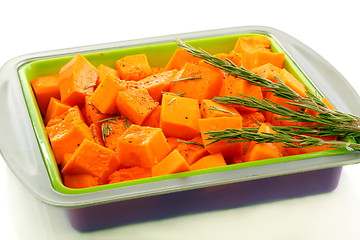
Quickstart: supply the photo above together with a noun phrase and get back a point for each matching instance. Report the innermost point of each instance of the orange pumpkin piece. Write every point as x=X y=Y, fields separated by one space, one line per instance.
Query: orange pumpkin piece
x=172 y=163
x=112 y=130
x=192 y=150
x=66 y=132
x=173 y=142
x=260 y=151
x=91 y=113
x=233 y=86
x=104 y=97
x=135 y=104
x=268 y=71
x=80 y=181
x=256 y=51
x=212 y=160
x=103 y=71
x=156 y=70
x=158 y=83
x=179 y=58
x=96 y=132
x=141 y=146
x=153 y=120
x=289 y=80
x=77 y=79
x=233 y=56
x=252 y=119
x=252 y=43
x=264 y=57
x=54 y=109
x=45 y=88
x=202 y=83
x=217 y=124
x=179 y=116
x=94 y=159
x=128 y=174
x=211 y=109
x=133 y=67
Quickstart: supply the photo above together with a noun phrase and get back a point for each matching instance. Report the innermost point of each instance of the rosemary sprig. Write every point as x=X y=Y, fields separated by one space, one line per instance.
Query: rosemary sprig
x=331 y=124
x=289 y=140
x=278 y=88
x=327 y=123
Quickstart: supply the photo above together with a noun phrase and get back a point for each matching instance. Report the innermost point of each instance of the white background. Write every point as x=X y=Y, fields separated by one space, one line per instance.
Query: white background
x=329 y=27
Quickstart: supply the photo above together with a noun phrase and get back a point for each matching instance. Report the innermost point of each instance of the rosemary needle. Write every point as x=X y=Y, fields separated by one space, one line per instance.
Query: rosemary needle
x=184 y=79
x=190 y=142
x=105 y=131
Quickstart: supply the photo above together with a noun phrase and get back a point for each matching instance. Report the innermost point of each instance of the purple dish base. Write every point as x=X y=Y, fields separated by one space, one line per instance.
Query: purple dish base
x=205 y=199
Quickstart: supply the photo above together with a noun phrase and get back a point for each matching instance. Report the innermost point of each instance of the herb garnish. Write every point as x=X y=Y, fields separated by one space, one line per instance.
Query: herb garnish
x=327 y=123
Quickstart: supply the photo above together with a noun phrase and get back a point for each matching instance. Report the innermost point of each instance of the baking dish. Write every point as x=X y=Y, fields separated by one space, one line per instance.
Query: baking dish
x=26 y=150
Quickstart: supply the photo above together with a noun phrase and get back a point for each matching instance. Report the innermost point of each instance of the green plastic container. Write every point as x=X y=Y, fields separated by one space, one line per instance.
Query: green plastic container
x=34 y=164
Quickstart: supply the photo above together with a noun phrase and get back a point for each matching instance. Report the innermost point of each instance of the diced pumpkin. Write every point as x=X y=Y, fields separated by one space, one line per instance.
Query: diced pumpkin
x=128 y=174
x=96 y=132
x=103 y=71
x=156 y=70
x=202 y=83
x=192 y=150
x=80 y=181
x=217 y=124
x=252 y=119
x=77 y=79
x=104 y=97
x=233 y=86
x=256 y=51
x=179 y=116
x=133 y=67
x=135 y=104
x=66 y=132
x=54 y=109
x=112 y=129
x=172 y=163
x=94 y=159
x=268 y=71
x=252 y=43
x=179 y=58
x=173 y=142
x=289 y=80
x=260 y=151
x=233 y=56
x=91 y=113
x=153 y=120
x=141 y=146
x=158 y=83
x=45 y=88
x=212 y=160
x=211 y=109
